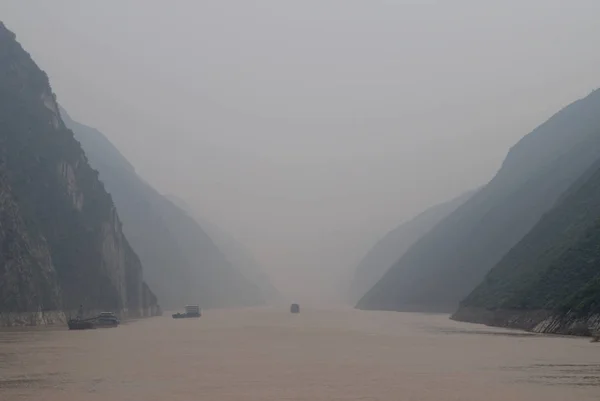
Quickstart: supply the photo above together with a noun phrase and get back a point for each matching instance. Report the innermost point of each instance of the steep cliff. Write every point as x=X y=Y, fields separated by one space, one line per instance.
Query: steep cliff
x=66 y=246
x=550 y=280
x=450 y=260
x=181 y=262
x=394 y=244
x=27 y=276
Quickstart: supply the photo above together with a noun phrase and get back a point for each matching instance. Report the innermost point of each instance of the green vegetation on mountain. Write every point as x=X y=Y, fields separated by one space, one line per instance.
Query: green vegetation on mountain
x=446 y=264
x=62 y=243
x=556 y=266
x=181 y=262
x=394 y=244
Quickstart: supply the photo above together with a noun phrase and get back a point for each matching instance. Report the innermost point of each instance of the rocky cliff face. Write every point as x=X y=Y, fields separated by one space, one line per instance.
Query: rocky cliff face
x=63 y=242
x=181 y=262
x=27 y=277
x=535 y=320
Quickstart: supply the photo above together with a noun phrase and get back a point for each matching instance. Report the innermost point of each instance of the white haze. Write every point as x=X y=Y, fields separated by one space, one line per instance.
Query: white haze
x=308 y=129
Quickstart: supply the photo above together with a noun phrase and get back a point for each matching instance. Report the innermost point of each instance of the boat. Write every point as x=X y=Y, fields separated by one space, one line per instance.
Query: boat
x=295 y=308
x=190 y=311
x=106 y=319
x=80 y=324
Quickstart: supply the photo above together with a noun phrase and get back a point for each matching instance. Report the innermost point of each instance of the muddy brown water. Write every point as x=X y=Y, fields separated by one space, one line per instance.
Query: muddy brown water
x=270 y=354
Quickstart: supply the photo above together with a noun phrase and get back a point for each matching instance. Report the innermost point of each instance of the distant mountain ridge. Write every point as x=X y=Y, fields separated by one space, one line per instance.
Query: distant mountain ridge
x=181 y=261
x=394 y=244
x=449 y=261
x=236 y=253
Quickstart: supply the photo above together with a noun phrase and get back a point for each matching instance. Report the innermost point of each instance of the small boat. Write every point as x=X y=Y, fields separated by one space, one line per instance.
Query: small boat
x=80 y=324
x=190 y=311
x=295 y=308
x=106 y=319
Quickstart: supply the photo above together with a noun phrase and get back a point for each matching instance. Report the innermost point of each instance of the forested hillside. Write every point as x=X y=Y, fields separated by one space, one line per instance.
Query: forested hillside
x=451 y=260
x=554 y=269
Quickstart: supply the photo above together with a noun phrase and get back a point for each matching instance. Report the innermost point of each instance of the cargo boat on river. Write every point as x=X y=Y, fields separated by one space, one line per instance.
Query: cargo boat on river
x=103 y=320
x=106 y=319
x=190 y=311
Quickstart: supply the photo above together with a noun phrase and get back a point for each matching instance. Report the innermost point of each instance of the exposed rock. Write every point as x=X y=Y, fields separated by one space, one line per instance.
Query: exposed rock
x=28 y=282
x=181 y=262
x=538 y=321
x=62 y=243
x=510 y=318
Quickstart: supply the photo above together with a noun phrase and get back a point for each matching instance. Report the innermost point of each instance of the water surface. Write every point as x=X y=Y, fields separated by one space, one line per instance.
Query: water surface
x=270 y=354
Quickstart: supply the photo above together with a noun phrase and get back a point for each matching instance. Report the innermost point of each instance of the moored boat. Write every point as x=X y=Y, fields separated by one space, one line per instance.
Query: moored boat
x=190 y=311
x=80 y=324
x=106 y=319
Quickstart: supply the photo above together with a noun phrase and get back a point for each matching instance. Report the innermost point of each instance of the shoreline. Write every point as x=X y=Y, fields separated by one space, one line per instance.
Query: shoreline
x=536 y=321
x=59 y=317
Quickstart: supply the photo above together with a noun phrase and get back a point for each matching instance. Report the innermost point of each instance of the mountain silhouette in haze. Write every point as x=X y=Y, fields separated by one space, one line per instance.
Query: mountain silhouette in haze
x=235 y=252
x=62 y=242
x=553 y=271
x=394 y=244
x=181 y=261
x=444 y=266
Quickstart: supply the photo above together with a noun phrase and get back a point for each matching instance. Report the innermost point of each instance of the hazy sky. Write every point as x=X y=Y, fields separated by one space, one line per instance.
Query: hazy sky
x=308 y=129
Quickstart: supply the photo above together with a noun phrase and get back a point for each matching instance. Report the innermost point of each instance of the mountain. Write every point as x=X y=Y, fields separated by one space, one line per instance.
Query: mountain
x=62 y=243
x=446 y=264
x=550 y=280
x=182 y=264
x=394 y=244
x=180 y=203
x=28 y=277
x=235 y=252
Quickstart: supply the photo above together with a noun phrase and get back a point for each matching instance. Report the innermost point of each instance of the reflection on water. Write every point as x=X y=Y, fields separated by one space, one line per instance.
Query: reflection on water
x=270 y=354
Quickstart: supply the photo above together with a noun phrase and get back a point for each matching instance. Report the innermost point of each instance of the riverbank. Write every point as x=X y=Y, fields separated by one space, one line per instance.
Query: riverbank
x=52 y=318
x=48 y=318
x=537 y=321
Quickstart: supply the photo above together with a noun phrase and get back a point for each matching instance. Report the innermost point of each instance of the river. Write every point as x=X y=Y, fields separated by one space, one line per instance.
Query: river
x=270 y=354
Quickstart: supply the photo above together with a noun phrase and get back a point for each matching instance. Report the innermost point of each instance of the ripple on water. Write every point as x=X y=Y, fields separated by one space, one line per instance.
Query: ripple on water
x=32 y=381
x=488 y=332
x=587 y=375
